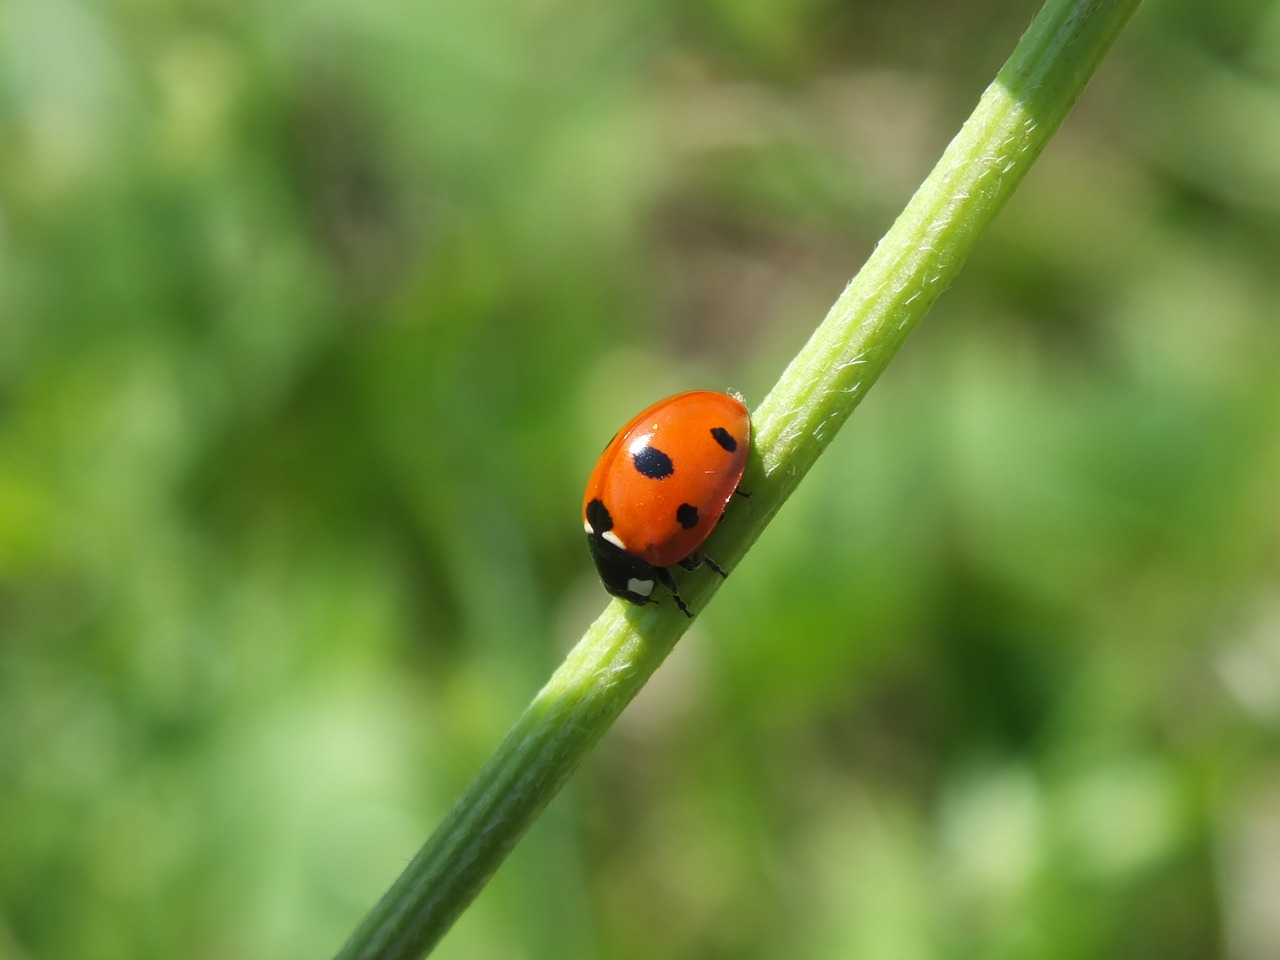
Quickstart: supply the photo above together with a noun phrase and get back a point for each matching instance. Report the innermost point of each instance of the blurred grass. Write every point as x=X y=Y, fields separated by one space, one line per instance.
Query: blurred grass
x=313 y=319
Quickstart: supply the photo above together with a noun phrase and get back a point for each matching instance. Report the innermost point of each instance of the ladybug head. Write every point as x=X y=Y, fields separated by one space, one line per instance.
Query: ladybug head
x=623 y=574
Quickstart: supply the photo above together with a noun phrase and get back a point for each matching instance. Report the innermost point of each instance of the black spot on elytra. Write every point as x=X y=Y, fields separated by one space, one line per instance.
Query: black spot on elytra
x=724 y=438
x=687 y=515
x=653 y=463
x=598 y=517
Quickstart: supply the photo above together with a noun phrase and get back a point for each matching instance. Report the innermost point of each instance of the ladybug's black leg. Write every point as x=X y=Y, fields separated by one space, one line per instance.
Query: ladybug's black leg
x=694 y=560
x=738 y=491
x=666 y=580
x=715 y=566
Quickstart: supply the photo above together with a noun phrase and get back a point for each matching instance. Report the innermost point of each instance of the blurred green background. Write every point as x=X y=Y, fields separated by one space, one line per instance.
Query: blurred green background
x=313 y=319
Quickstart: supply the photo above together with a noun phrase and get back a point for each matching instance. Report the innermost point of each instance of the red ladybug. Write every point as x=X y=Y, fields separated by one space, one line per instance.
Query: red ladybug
x=659 y=489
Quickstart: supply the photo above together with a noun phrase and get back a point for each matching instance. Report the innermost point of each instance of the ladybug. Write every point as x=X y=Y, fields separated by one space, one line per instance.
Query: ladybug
x=659 y=489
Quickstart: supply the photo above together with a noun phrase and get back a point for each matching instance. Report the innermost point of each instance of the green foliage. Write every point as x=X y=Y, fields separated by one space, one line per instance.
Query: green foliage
x=314 y=317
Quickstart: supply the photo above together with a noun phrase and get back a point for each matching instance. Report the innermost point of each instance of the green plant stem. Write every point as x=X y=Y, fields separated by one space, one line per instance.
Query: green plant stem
x=917 y=259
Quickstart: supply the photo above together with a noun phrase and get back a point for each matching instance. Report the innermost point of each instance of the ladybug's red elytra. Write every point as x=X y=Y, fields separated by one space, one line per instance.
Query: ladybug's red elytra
x=659 y=489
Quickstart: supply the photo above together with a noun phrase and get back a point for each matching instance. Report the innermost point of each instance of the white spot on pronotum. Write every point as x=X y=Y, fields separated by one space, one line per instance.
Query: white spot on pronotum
x=614 y=539
x=641 y=588
x=586 y=525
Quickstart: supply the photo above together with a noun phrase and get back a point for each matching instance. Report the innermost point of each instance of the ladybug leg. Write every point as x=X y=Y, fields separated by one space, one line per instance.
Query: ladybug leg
x=694 y=560
x=741 y=493
x=715 y=566
x=666 y=580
